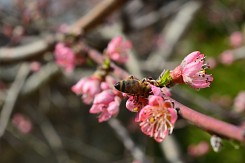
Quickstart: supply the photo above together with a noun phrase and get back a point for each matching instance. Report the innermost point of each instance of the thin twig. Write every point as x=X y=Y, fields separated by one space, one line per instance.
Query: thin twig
x=171 y=150
x=87 y=22
x=127 y=141
x=50 y=134
x=156 y=16
x=12 y=96
x=238 y=53
x=76 y=145
x=38 y=79
x=96 y=15
x=32 y=141
x=173 y=32
x=26 y=51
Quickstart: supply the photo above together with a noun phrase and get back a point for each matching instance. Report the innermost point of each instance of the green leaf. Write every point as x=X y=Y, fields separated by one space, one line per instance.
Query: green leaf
x=164 y=79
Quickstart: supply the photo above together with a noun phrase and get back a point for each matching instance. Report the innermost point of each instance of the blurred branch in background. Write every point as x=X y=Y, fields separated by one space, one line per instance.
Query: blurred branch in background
x=173 y=32
x=12 y=96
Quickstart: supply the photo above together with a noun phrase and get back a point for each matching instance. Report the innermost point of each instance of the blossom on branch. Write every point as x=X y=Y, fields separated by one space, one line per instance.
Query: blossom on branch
x=117 y=49
x=88 y=87
x=157 y=119
x=107 y=104
x=64 y=57
x=192 y=71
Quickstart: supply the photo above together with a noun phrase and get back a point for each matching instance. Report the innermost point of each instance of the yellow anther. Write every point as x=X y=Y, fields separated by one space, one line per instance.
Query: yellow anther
x=152 y=119
x=135 y=109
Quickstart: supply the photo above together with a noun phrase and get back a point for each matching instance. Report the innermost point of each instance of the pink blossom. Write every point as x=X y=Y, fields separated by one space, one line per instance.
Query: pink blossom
x=227 y=57
x=199 y=149
x=88 y=87
x=136 y=103
x=212 y=63
x=35 y=66
x=117 y=49
x=192 y=71
x=108 y=83
x=22 y=123
x=107 y=104
x=157 y=119
x=164 y=91
x=236 y=39
x=239 y=102
x=64 y=56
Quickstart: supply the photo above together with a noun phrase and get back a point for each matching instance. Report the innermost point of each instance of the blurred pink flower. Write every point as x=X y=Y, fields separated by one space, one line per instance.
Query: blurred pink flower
x=63 y=28
x=227 y=57
x=192 y=71
x=157 y=119
x=107 y=104
x=212 y=63
x=64 y=56
x=199 y=149
x=236 y=39
x=88 y=87
x=239 y=102
x=35 y=66
x=117 y=49
x=22 y=123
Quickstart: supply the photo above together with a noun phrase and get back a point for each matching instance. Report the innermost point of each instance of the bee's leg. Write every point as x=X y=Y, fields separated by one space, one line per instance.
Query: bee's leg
x=131 y=77
x=143 y=80
x=137 y=99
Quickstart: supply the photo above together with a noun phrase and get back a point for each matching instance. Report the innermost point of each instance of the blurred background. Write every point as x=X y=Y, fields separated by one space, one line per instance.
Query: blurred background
x=45 y=122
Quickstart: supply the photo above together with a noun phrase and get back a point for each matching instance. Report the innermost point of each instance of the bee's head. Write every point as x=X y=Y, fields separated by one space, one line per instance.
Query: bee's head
x=117 y=85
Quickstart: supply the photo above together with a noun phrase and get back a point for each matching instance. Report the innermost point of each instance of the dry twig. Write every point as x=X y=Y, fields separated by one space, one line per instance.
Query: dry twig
x=173 y=32
x=12 y=96
x=127 y=141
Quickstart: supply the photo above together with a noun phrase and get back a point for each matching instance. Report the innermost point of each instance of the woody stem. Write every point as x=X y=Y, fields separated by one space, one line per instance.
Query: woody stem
x=210 y=124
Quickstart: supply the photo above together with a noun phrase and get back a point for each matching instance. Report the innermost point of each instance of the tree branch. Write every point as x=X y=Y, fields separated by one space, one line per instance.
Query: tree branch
x=210 y=124
x=12 y=96
x=96 y=15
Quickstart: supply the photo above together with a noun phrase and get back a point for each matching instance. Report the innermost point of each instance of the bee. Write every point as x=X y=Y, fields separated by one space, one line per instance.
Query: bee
x=134 y=86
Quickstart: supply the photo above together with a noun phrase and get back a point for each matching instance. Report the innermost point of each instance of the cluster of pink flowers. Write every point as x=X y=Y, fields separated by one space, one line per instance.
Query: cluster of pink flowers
x=106 y=104
x=192 y=71
x=105 y=100
x=156 y=115
x=88 y=87
x=117 y=49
